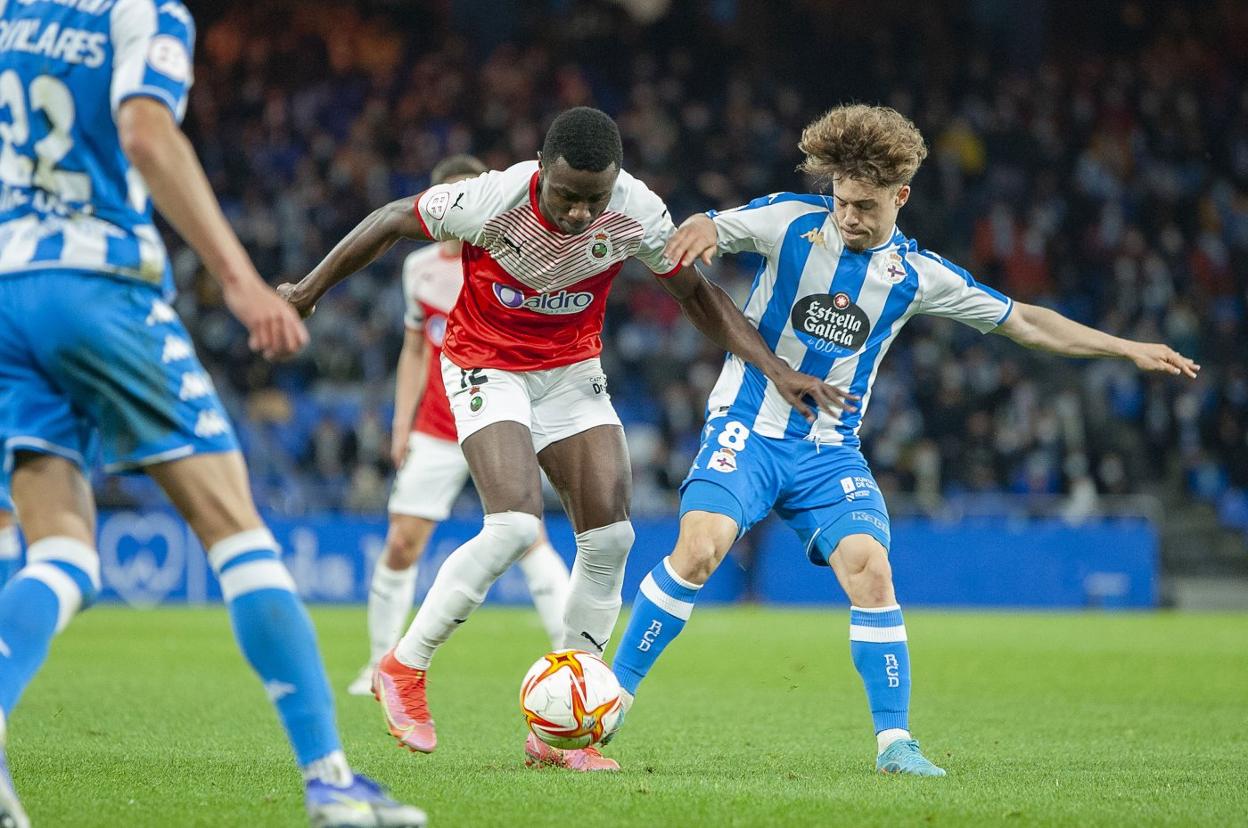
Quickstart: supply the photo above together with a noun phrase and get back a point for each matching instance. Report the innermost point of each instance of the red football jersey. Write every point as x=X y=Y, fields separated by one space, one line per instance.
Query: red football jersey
x=534 y=297
x=431 y=284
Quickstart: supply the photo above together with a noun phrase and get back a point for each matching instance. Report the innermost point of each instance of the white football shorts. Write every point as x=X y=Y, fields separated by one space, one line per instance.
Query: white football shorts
x=553 y=404
x=431 y=477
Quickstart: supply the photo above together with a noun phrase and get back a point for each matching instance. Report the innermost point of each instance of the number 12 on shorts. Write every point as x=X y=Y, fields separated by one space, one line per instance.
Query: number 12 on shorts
x=469 y=377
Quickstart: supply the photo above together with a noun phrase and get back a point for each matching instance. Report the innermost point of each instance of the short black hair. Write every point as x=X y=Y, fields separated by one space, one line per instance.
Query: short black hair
x=455 y=166
x=587 y=138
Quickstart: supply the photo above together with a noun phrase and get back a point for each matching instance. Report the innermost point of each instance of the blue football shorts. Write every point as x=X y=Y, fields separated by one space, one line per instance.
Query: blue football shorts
x=823 y=492
x=90 y=361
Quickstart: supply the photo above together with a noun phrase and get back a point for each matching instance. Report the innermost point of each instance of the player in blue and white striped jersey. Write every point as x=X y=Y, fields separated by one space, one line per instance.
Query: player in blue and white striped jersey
x=839 y=281
x=92 y=356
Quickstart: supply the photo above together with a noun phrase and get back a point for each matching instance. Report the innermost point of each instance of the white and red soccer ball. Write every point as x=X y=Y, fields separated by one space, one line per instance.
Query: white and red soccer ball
x=570 y=699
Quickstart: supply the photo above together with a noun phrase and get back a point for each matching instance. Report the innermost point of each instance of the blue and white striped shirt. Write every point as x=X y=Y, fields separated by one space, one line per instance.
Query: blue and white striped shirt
x=69 y=198
x=831 y=311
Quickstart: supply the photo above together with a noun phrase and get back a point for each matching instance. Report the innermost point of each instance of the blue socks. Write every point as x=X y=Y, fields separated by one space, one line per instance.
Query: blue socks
x=62 y=577
x=877 y=642
x=276 y=636
x=663 y=605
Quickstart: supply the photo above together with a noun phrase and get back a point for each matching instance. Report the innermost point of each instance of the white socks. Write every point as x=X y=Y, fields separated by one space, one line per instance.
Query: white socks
x=390 y=598
x=547 y=577
x=886 y=737
x=331 y=768
x=463 y=581
x=594 y=599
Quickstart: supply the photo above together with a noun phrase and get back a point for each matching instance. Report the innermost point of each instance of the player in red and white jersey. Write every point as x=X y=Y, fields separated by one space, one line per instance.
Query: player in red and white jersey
x=543 y=241
x=431 y=470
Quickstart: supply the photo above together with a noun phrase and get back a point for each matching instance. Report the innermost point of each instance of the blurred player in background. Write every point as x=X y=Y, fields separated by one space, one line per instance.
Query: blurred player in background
x=544 y=240
x=838 y=283
x=91 y=350
x=431 y=467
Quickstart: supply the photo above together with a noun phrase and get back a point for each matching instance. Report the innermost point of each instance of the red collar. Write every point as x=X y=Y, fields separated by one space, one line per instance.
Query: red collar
x=537 y=210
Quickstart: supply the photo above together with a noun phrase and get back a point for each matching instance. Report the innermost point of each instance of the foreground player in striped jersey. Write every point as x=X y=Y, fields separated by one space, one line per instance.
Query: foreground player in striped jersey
x=543 y=241
x=838 y=283
x=92 y=354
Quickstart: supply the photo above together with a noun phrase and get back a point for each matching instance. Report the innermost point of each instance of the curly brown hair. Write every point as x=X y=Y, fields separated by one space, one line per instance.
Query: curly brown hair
x=869 y=143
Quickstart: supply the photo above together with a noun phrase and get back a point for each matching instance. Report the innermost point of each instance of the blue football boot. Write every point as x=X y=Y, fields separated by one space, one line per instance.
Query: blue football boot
x=904 y=756
x=362 y=804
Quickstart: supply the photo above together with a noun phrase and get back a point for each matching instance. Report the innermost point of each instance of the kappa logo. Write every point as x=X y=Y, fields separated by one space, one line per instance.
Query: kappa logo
x=816 y=238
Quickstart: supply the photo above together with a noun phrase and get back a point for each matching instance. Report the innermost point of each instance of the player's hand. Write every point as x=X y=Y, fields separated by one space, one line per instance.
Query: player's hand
x=1153 y=356
x=798 y=389
x=398 y=445
x=291 y=293
x=274 y=329
x=696 y=238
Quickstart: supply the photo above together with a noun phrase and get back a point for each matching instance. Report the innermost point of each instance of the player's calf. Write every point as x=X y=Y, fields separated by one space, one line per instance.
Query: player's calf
x=276 y=636
x=666 y=597
x=593 y=603
x=61 y=577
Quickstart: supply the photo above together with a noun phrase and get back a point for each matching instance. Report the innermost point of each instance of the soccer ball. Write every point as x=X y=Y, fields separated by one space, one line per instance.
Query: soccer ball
x=570 y=699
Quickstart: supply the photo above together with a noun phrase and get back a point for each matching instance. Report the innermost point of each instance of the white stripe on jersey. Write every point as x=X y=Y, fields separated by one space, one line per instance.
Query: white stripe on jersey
x=86 y=243
x=549 y=261
x=18 y=240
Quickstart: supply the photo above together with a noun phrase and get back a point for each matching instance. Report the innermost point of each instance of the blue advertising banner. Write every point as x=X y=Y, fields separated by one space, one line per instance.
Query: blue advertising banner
x=150 y=558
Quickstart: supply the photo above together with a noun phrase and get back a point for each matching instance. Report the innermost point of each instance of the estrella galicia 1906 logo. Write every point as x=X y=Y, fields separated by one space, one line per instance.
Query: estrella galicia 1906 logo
x=830 y=323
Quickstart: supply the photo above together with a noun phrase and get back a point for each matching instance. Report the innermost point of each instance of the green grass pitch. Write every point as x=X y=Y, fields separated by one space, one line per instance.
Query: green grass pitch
x=753 y=717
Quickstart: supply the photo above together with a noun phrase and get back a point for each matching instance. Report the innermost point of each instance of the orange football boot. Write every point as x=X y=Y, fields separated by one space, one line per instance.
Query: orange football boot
x=401 y=691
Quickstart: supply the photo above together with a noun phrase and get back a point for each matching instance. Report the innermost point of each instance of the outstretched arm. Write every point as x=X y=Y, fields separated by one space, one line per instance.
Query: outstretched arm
x=714 y=313
x=371 y=237
x=1047 y=330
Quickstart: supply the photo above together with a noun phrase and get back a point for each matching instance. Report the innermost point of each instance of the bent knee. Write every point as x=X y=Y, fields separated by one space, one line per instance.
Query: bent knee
x=862 y=563
x=406 y=540
x=513 y=531
x=696 y=557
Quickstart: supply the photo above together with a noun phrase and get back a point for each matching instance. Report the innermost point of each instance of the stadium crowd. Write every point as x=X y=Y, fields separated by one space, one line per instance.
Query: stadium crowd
x=1109 y=180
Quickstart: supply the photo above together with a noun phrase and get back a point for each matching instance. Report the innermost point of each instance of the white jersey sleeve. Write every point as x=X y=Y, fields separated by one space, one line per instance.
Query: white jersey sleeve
x=643 y=205
x=459 y=211
x=951 y=292
x=760 y=226
x=413 y=313
x=152 y=47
